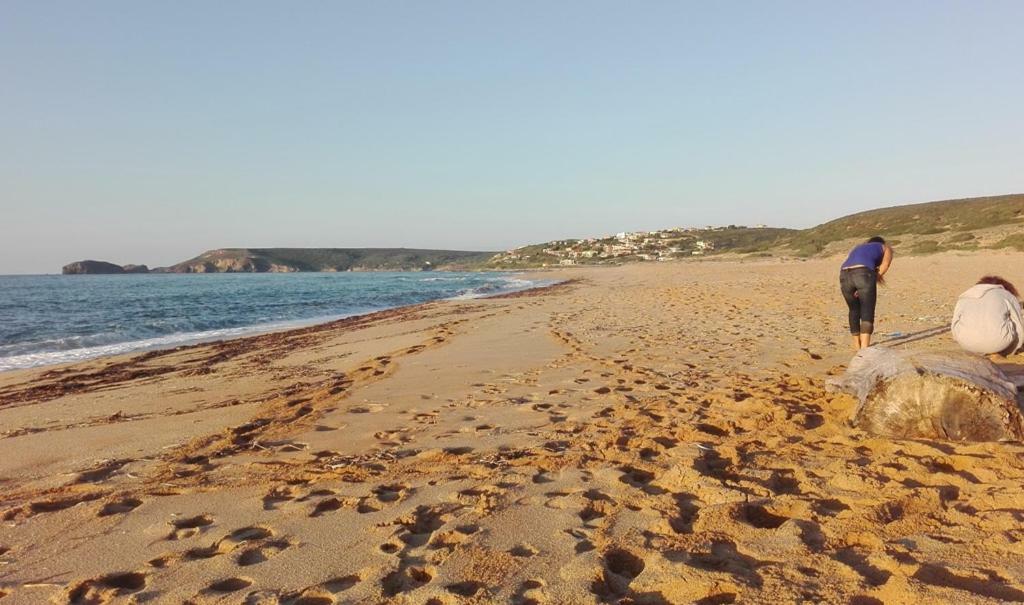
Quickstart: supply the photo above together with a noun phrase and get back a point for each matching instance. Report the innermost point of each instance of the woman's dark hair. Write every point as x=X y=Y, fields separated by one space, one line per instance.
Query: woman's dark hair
x=995 y=280
x=876 y=240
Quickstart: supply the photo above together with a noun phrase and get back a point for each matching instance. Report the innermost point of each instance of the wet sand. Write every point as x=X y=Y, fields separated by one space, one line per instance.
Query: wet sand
x=655 y=433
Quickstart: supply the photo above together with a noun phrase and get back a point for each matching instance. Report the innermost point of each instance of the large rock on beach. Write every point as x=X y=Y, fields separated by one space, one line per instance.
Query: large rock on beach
x=949 y=395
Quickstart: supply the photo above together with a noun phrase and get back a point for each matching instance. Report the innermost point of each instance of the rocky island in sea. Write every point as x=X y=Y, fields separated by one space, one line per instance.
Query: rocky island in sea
x=98 y=267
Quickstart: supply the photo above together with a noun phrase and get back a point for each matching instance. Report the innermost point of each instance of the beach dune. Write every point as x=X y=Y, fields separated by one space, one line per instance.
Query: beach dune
x=649 y=434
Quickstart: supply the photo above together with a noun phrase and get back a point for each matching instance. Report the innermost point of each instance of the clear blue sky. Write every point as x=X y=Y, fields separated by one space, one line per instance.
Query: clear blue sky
x=148 y=132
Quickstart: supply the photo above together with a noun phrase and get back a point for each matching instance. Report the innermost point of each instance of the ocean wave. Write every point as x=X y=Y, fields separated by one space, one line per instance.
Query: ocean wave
x=505 y=285
x=30 y=360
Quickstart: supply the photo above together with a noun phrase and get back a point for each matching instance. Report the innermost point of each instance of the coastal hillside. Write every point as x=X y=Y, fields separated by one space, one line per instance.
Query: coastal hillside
x=290 y=260
x=971 y=223
x=286 y=260
x=963 y=224
x=666 y=244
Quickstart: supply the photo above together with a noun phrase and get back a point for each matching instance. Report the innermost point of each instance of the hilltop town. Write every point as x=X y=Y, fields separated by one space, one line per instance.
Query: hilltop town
x=959 y=225
x=663 y=245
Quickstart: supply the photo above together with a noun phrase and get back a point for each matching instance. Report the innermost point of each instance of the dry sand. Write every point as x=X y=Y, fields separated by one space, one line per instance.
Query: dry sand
x=644 y=434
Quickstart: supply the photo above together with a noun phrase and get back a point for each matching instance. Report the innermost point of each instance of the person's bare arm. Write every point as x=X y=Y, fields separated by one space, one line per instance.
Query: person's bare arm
x=886 y=260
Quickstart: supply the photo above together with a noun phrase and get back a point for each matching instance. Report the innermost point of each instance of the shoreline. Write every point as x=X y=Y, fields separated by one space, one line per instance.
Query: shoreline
x=99 y=352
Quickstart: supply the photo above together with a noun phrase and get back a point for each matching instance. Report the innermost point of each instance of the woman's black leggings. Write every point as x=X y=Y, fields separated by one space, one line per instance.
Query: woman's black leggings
x=859 y=286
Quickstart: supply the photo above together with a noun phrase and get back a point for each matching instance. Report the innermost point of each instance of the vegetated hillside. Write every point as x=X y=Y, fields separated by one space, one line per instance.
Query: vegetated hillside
x=970 y=223
x=965 y=224
x=667 y=244
x=284 y=260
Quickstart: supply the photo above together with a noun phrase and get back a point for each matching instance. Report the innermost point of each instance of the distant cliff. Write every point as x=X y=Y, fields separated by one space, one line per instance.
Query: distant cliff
x=98 y=267
x=287 y=260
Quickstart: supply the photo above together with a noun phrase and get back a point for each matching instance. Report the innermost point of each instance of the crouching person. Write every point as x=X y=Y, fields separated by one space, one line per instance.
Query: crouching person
x=988 y=318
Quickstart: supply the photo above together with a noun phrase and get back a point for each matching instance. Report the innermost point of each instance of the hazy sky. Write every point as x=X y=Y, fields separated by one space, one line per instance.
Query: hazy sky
x=148 y=132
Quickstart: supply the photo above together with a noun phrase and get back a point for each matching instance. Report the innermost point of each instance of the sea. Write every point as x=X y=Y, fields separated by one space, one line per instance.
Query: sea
x=51 y=319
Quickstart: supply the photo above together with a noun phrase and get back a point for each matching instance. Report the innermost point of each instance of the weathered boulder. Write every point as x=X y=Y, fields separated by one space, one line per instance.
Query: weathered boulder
x=949 y=395
x=91 y=267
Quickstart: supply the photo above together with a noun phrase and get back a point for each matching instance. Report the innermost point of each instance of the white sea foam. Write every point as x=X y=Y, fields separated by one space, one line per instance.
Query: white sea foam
x=31 y=360
x=504 y=285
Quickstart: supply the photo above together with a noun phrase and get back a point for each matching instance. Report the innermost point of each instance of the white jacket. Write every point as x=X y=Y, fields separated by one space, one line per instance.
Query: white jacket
x=988 y=319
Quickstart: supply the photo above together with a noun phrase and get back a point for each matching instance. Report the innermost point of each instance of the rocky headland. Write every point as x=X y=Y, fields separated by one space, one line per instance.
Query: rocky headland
x=98 y=267
x=290 y=260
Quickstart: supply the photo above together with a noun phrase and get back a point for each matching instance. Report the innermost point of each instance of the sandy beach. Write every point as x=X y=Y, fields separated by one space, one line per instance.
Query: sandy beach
x=648 y=434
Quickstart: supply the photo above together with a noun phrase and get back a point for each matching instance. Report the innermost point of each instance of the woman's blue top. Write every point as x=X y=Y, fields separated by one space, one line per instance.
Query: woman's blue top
x=870 y=255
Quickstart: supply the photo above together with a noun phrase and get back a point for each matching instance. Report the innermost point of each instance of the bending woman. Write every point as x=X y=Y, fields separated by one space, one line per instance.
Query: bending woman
x=858 y=280
x=988 y=318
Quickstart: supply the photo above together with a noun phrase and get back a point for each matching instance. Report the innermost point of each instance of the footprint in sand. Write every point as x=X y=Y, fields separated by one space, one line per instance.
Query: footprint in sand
x=314 y=598
x=368 y=505
x=101 y=472
x=230 y=542
x=259 y=554
x=426 y=417
x=760 y=516
x=281 y=493
x=530 y=592
x=342 y=583
x=327 y=505
x=621 y=567
x=468 y=588
x=120 y=506
x=685 y=513
x=392 y=437
x=48 y=506
x=638 y=478
x=189 y=526
x=406 y=578
x=230 y=585
x=248 y=534
x=447 y=540
x=523 y=551
x=422 y=523
x=583 y=542
x=106 y=588
x=163 y=561
x=393 y=492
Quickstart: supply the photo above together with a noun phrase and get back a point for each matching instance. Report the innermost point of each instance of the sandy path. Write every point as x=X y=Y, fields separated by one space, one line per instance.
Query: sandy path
x=646 y=434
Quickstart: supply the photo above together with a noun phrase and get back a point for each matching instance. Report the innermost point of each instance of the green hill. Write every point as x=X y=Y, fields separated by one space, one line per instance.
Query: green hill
x=932 y=226
x=667 y=244
x=964 y=224
x=283 y=260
